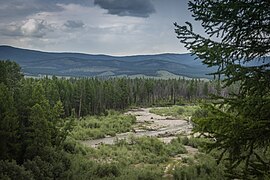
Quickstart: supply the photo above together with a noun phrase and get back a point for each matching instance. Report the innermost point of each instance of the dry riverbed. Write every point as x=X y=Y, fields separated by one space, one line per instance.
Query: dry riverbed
x=148 y=124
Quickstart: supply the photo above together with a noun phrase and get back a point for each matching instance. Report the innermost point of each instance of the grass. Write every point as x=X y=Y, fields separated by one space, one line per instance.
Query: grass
x=181 y=112
x=149 y=150
x=202 y=166
x=93 y=127
x=135 y=158
x=140 y=158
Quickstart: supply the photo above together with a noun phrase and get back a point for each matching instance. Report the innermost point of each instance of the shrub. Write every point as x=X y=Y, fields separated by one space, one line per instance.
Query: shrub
x=107 y=170
x=203 y=167
x=94 y=127
x=180 y=110
x=199 y=113
x=176 y=147
x=11 y=170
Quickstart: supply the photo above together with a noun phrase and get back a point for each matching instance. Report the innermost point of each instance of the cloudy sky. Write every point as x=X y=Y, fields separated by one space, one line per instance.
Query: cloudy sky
x=115 y=27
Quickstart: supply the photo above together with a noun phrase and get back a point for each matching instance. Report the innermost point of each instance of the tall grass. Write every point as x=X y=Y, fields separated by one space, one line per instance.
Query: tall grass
x=181 y=112
x=93 y=127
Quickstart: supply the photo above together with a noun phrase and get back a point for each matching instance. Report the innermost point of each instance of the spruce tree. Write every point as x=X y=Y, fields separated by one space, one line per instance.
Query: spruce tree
x=237 y=42
x=38 y=135
x=9 y=125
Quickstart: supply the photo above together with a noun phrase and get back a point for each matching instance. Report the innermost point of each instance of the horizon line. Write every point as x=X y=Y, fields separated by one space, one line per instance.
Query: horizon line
x=96 y=54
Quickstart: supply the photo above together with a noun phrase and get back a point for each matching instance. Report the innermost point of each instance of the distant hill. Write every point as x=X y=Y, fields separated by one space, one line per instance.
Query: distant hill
x=36 y=63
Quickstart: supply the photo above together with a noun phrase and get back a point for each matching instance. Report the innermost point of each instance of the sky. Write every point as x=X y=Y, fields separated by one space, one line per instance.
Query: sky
x=113 y=27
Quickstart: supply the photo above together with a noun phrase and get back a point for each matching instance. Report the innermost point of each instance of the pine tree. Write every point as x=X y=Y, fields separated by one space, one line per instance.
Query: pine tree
x=9 y=125
x=60 y=128
x=240 y=124
x=10 y=77
x=10 y=74
x=38 y=135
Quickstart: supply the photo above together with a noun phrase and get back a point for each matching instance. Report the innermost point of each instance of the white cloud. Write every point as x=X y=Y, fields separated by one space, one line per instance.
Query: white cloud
x=35 y=28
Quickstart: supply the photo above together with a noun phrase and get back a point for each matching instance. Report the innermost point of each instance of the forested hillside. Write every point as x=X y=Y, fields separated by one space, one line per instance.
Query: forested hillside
x=38 y=63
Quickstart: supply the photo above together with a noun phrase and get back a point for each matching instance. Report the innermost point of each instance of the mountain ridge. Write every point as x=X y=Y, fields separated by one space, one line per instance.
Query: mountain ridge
x=34 y=63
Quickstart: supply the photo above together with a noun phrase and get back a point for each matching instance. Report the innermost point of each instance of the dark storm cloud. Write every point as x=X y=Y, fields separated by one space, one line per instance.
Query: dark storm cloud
x=20 y=8
x=137 y=8
x=73 y=24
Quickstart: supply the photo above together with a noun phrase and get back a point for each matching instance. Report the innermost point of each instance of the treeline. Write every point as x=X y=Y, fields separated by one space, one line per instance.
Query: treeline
x=93 y=96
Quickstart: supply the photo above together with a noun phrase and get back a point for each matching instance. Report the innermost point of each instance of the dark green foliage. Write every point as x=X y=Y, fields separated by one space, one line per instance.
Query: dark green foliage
x=199 y=143
x=90 y=96
x=181 y=112
x=60 y=128
x=202 y=167
x=9 y=124
x=239 y=123
x=10 y=77
x=150 y=148
x=31 y=129
x=176 y=147
x=93 y=127
x=143 y=172
x=149 y=173
x=38 y=133
x=10 y=74
x=107 y=170
x=199 y=113
x=10 y=170
x=39 y=168
x=51 y=164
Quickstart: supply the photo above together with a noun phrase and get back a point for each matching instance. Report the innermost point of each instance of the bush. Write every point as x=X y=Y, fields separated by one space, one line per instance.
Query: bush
x=81 y=168
x=52 y=165
x=202 y=167
x=40 y=169
x=149 y=175
x=176 y=147
x=11 y=170
x=199 y=113
x=94 y=127
x=107 y=170
x=180 y=110
x=193 y=141
x=143 y=172
x=151 y=144
x=184 y=140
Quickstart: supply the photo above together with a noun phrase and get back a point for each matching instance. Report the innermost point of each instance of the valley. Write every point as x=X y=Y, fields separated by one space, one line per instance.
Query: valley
x=167 y=139
x=135 y=90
